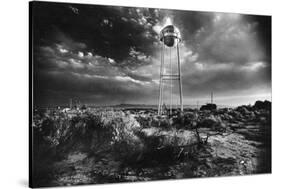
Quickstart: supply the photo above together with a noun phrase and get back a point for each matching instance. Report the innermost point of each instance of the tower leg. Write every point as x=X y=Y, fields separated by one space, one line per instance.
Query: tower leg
x=171 y=84
x=180 y=82
x=161 y=83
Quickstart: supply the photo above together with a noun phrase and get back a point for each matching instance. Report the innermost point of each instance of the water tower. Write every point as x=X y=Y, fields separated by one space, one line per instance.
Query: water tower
x=170 y=38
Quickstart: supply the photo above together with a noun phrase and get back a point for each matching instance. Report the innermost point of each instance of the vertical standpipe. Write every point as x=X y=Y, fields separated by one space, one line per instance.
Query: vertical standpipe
x=170 y=38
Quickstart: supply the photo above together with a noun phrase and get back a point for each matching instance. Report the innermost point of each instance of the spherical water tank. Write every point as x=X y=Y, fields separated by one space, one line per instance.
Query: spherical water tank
x=170 y=35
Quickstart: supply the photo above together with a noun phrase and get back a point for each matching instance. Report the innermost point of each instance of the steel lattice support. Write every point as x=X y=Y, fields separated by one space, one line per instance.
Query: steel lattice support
x=169 y=77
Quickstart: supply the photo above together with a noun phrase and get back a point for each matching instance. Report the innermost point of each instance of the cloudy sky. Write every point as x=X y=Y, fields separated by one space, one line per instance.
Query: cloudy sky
x=106 y=55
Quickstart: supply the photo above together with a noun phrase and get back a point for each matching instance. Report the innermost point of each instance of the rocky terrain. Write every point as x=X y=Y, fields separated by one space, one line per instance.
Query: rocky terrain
x=106 y=146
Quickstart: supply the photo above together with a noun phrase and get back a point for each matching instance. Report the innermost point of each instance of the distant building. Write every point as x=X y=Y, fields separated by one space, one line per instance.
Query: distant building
x=209 y=106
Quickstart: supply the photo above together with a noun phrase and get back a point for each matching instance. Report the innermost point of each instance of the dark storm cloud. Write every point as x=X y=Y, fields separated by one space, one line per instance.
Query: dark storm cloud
x=109 y=31
x=227 y=78
x=98 y=90
x=263 y=31
x=107 y=54
x=226 y=37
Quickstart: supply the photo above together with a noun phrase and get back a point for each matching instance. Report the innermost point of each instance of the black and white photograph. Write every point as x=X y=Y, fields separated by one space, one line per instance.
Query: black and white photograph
x=128 y=94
